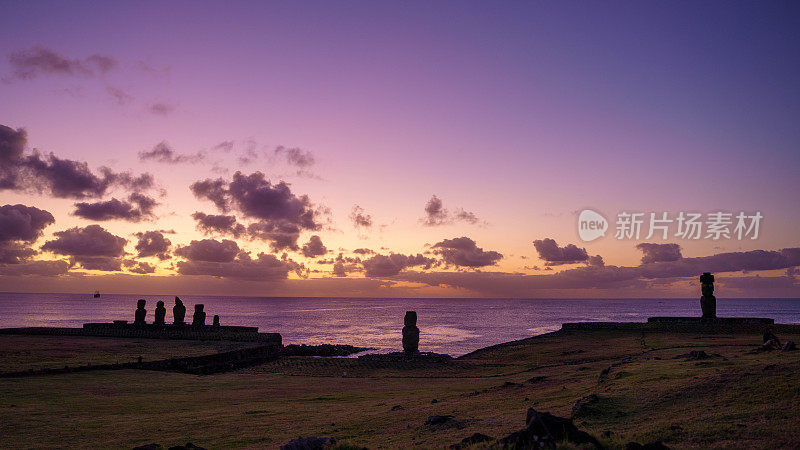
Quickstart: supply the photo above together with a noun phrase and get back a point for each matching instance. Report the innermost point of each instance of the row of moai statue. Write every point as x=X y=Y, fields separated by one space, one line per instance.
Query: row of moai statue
x=708 y=303
x=178 y=314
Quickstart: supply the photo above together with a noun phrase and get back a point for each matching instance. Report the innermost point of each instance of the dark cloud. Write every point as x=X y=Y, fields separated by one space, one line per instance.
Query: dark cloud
x=138 y=207
x=142 y=268
x=394 y=263
x=360 y=219
x=12 y=252
x=280 y=235
x=214 y=190
x=225 y=146
x=314 y=247
x=63 y=178
x=279 y=214
x=641 y=277
x=553 y=255
x=161 y=108
x=23 y=223
x=302 y=159
x=436 y=214
x=102 y=263
x=120 y=97
x=463 y=252
x=219 y=224
x=659 y=252
x=163 y=153
x=41 y=268
x=28 y=64
x=153 y=243
x=363 y=251
x=12 y=147
x=596 y=261
x=92 y=240
x=265 y=268
x=339 y=270
x=209 y=250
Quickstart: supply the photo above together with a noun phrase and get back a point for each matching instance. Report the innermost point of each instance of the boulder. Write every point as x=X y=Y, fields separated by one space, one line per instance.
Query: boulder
x=656 y=445
x=309 y=443
x=188 y=446
x=584 y=405
x=467 y=442
x=544 y=430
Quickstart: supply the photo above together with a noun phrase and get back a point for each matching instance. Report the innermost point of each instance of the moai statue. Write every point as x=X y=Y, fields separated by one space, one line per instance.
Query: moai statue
x=178 y=311
x=161 y=312
x=199 y=318
x=216 y=321
x=140 y=312
x=708 y=303
x=410 y=333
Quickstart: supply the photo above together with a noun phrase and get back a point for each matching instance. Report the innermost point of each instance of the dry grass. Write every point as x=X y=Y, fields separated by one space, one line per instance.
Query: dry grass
x=732 y=399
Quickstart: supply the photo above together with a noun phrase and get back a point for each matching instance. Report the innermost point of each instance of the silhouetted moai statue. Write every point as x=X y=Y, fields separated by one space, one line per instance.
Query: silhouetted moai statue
x=410 y=333
x=178 y=311
x=161 y=313
x=199 y=319
x=708 y=303
x=216 y=321
x=140 y=312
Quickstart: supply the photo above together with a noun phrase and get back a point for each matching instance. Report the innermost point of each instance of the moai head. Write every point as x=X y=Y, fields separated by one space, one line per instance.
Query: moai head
x=707 y=284
x=160 y=304
x=140 y=303
x=178 y=301
x=198 y=308
x=410 y=319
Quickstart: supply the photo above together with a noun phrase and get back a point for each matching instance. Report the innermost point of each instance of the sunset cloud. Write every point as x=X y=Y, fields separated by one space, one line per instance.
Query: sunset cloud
x=61 y=178
x=279 y=215
x=163 y=153
x=436 y=214
x=153 y=243
x=314 y=247
x=23 y=223
x=36 y=61
x=639 y=278
x=136 y=208
x=264 y=268
x=92 y=240
x=219 y=224
x=394 y=263
x=209 y=250
x=360 y=219
x=553 y=255
x=92 y=247
x=464 y=252
x=659 y=252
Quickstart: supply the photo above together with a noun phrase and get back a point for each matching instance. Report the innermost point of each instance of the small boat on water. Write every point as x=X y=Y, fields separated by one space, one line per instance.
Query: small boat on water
x=96 y=294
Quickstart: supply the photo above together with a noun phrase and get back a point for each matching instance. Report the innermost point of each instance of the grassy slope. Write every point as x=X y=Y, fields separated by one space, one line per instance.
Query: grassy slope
x=734 y=399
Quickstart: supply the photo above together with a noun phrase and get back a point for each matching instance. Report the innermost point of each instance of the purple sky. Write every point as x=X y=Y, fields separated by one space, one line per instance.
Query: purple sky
x=515 y=116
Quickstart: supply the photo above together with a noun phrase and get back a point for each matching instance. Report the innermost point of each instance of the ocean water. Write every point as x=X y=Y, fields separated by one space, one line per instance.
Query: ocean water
x=453 y=326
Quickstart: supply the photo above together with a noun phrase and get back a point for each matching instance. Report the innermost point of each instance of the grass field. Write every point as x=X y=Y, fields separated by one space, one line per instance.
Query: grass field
x=651 y=390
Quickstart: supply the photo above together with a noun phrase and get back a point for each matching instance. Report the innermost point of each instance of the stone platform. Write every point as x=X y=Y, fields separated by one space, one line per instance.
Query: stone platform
x=150 y=331
x=689 y=324
x=716 y=320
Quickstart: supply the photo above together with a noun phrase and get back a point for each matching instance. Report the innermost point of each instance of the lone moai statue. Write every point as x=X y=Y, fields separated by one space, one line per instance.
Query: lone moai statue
x=161 y=313
x=708 y=303
x=199 y=318
x=140 y=312
x=410 y=333
x=216 y=321
x=178 y=311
